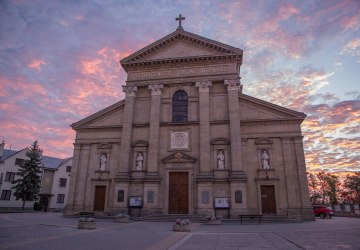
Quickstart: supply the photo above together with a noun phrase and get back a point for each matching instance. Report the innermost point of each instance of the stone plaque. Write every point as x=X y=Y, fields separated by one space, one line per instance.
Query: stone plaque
x=150 y=196
x=120 y=196
x=205 y=197
x=179 y=140
x=238 y=196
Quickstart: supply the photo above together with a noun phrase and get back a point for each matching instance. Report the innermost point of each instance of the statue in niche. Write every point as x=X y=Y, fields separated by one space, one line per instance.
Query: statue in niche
x=139 y=161
x=265 y=160
x=103 y=162
x=221 y=160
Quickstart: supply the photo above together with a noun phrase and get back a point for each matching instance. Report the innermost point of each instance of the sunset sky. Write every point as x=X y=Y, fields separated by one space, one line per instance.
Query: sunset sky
x=59 y=62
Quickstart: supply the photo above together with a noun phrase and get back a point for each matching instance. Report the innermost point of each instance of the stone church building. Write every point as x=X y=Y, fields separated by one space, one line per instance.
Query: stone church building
x=186 y=140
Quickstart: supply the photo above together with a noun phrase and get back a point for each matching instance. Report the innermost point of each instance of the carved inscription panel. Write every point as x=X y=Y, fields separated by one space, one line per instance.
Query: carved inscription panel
x=183 y=72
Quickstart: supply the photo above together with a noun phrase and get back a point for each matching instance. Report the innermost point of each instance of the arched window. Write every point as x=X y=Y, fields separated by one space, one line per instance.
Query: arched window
x=180 y=106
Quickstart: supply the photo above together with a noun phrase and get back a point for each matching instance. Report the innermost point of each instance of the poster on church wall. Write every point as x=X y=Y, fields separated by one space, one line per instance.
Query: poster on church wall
x=135 y=201
x=222 y=202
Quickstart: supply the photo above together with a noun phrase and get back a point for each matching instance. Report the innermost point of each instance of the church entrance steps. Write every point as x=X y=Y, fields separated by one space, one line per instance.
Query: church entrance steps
x=202 y=219
x=171 y=218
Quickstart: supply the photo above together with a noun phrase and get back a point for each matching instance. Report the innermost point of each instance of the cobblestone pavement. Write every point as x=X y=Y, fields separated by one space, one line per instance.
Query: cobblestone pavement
x=52 y=231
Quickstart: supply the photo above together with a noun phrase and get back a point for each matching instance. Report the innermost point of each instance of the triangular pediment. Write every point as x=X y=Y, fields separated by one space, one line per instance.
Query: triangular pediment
x=111 y=116
x=180 y=50
x=181 y=45
x=179 y=157
x=255 y=109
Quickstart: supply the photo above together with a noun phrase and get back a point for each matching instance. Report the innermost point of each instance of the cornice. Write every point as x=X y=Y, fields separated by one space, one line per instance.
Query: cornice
x=221 y=51
x=181 y=60
x=115 y=106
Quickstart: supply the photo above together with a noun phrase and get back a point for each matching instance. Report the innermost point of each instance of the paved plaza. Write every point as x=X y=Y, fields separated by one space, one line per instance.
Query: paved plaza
x=52 y=231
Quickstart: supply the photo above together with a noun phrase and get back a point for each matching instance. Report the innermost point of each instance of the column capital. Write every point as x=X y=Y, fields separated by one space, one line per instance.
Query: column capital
x=156 y=88
x=129 y=90
x=203 y=86
x=234 y=84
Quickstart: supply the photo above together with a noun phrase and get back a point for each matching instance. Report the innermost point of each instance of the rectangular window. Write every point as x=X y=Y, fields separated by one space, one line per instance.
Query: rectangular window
x=5 y=195
x=62 y=182
x=68 y=169
x=19 y=162
x=60 y=198
x=9 y=176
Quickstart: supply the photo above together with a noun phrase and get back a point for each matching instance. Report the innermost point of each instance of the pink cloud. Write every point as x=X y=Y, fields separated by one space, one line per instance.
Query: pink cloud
x=36 y=64
x=351 y=22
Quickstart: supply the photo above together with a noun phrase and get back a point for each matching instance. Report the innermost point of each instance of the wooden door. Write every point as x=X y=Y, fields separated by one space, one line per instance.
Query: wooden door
x=100 y=192
x=178 y=193
x=268 y=202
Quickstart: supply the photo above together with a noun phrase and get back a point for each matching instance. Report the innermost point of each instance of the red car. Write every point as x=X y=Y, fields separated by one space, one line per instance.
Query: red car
x=323 y=211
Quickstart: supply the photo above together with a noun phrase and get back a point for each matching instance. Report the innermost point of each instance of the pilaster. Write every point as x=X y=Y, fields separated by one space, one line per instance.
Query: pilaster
x=70 y=207
x=205 y=165
x=292 y=183
x=234 y=87
x=124 y=164
x=153 y=158
x=82 y=176
x=306 y=209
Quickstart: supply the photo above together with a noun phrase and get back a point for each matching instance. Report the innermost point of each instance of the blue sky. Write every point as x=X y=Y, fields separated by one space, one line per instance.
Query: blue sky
x=59 y=62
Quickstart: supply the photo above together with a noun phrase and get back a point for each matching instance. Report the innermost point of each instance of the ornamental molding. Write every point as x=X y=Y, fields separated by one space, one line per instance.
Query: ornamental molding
x=179 y=157
x=140 y=143
x=203 y=86
x=104 y=146
x=234 y=84
x=219 y=51
x=156 y=88
x=263 y=141
x=220 y=141
x=129 y=90
x=179 y=140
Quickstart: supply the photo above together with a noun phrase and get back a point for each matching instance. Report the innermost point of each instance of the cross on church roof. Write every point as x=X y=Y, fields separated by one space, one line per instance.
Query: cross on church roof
x=179 y=19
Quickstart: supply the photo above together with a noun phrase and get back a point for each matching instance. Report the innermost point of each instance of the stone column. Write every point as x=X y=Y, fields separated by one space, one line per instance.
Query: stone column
x=234 y=87
x=70 y=208
x=152 y=168
x=205 y=165
x=82 y=174
x=124 y=164
x=306 y=209
x=292 y=181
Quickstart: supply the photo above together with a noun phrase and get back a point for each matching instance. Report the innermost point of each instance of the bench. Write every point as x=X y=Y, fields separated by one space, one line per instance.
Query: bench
x=250 y=216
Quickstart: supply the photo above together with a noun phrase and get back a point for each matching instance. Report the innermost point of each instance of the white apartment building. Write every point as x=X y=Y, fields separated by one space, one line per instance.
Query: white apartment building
x=55 y=178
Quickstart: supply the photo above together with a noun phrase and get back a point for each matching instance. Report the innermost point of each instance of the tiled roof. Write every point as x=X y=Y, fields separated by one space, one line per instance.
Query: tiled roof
x=47 y=161
x=7 y=153
x=51 y=162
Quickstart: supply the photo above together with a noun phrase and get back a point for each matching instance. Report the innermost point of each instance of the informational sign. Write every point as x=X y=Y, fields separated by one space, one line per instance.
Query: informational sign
x=135 y=201
x=222 y=202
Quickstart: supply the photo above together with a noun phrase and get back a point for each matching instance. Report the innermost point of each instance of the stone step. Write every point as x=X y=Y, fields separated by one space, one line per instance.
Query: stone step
x=202 y=219
x=171 y=218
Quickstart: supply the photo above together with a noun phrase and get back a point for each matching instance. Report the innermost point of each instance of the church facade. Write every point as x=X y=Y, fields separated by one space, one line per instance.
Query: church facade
x=186 y=140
